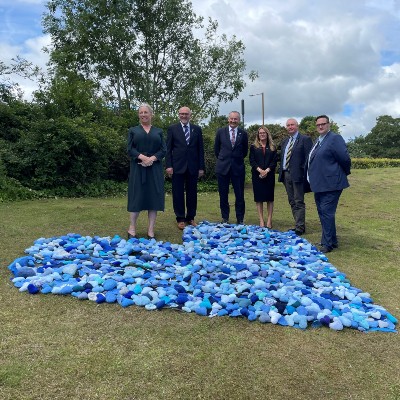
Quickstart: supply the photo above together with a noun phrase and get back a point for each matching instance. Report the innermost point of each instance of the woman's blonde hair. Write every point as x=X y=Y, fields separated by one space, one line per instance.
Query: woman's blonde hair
x=270 y=141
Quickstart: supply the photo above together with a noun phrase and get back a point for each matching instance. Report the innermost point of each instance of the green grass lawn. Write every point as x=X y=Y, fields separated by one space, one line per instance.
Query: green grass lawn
x=54 y=347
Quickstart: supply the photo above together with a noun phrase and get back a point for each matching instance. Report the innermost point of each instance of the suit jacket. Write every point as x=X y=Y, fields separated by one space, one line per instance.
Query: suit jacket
x=182 y=156
x=228 y=156
x=298 y=159
x=329 y=164
x=258 y=159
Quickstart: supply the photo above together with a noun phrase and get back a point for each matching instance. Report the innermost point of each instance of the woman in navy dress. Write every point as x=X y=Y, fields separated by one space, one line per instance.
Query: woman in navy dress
x=146 y=148
x=263 y=165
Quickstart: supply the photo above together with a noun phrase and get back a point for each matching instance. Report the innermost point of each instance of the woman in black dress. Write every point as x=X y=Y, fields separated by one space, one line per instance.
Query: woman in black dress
x=146 y=148
x=263 y=164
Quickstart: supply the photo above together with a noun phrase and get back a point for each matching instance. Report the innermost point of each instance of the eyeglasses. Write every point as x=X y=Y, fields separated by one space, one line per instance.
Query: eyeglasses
x=322 y=125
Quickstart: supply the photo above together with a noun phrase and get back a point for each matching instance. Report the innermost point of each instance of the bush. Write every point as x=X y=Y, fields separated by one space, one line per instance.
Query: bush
x=365 y=163
x=12 y=190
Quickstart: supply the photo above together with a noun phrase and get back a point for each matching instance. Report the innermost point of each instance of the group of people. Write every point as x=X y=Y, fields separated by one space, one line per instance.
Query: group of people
x=321 y=167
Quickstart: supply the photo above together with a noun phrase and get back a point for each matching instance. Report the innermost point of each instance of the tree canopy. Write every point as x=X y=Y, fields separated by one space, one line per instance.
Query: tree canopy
x=146 y=51
x=382 y=142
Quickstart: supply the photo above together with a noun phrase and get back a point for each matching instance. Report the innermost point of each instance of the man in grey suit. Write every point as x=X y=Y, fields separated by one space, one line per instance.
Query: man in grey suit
x=327 y=169
x=231 y=147
x=294 y=153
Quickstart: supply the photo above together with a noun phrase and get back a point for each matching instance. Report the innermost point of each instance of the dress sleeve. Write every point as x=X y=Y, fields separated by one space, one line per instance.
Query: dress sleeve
x=162 y=151
x=133 y=153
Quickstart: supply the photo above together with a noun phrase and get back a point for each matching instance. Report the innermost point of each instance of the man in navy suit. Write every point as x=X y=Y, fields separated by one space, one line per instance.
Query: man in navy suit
x=230 y=147
x=185 y=164
x=294 y=155
x=328 y=166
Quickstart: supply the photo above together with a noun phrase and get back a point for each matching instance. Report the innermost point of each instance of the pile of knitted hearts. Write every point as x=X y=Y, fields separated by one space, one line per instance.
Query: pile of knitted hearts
x=218 y=270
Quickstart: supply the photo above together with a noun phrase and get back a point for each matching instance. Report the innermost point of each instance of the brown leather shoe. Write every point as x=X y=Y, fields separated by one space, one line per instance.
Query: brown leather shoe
x=181 y=225
x=192 y=222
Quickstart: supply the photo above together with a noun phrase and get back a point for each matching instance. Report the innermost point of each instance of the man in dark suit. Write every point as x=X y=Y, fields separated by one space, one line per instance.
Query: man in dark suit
x=328 y=166
x=185 y=164
x=231 y=147
x=294 y=153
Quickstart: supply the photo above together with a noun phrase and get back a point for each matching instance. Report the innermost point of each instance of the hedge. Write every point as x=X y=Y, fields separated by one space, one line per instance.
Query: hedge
x=365 y=163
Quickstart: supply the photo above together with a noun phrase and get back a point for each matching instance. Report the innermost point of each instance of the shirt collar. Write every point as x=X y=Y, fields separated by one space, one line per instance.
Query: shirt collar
x=235 y=129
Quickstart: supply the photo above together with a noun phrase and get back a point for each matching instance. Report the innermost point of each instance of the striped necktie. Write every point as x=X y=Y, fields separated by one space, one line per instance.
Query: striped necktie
x=289 y=153
x=187 y=136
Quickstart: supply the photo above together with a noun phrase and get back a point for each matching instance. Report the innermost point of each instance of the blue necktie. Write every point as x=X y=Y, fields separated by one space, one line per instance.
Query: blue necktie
x=187 y=136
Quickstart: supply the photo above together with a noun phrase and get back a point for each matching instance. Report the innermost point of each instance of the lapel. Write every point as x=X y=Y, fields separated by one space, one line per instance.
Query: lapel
x=314 y=150
x=181 y=132
x=238 y=136
x=228 y=134
x=192 y=133
x=316 y=146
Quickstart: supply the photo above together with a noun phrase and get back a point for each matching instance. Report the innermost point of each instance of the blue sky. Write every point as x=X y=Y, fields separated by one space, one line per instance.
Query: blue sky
x=340 y=58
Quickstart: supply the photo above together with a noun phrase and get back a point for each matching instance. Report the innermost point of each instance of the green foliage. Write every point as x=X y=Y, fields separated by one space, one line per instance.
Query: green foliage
x=278 y=132
x=307 y=126
x=365 y=163
x=382 y=142
x=11 y=189
x=146 y=51
x=9 y=90
x=44 y=149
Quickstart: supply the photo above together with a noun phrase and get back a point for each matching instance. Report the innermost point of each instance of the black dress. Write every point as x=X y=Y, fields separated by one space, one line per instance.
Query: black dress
x=264 y=188
x=146 y=184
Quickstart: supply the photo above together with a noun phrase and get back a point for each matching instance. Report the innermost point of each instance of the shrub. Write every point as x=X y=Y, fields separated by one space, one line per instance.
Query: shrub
x=365 y=163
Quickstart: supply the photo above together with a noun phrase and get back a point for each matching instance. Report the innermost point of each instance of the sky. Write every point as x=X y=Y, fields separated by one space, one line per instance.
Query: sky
x=340 y=58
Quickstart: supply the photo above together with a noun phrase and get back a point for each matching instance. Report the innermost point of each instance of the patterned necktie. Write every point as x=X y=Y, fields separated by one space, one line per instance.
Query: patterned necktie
x=233 y=137
x=289 y=153
x=187 y=136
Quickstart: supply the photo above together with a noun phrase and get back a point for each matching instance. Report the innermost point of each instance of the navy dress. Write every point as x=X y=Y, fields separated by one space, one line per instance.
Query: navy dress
x=264 y=188
x=146 y=184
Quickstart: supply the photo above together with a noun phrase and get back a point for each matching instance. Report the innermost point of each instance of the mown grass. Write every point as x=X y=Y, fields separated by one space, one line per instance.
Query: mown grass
x=55 y=347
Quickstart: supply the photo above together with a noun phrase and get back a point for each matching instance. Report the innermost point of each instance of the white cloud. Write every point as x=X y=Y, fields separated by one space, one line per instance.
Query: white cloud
x=314 y=58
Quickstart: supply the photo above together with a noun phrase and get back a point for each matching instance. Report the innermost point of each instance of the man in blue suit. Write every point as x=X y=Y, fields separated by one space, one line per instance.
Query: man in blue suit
x=328 y=166
x=294 y=154
x=230 y=147
x=184 y=162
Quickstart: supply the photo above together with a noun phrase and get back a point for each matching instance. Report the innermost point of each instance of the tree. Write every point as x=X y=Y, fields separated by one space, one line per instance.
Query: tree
x=307 y=126
x=10 y=90
x=384 y=138
x=146 y=51
x=357 y=147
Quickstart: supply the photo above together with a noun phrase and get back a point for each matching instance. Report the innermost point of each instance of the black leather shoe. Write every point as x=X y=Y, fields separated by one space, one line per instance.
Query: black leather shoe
x=325 y=249
x=225 y=221
x=298 y=232
x=239 y=222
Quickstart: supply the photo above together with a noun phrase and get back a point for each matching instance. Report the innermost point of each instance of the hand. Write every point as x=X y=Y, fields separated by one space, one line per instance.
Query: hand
x=263 y=173
x=146 y=161
x=169 y=171
x=201 y=173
